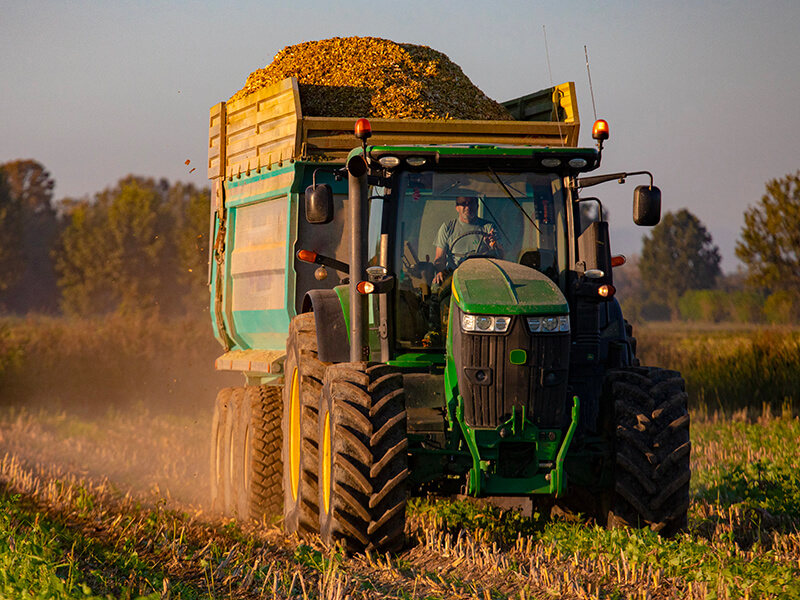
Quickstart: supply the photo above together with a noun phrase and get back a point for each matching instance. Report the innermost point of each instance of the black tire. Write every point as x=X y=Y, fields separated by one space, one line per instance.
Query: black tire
x=265 y=469
x=232 y=455
x=218 y=472
x=363 y=458
x=652 y=449
x=303 y=385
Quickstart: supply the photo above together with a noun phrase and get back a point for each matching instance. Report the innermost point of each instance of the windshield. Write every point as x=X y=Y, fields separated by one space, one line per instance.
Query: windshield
x=444 y=218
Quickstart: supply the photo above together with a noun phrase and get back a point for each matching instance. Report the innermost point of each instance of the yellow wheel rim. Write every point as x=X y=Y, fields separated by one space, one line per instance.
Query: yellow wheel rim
x=294 y=434
x=326 y=464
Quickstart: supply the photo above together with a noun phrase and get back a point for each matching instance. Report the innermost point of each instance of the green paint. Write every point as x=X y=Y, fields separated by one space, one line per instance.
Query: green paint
x=498 y=287
x=557 y=475
x=518 y=356
x=418 y=360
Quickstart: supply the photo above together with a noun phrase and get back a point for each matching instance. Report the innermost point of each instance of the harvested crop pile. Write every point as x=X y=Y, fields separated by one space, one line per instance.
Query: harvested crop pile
x=373 y=77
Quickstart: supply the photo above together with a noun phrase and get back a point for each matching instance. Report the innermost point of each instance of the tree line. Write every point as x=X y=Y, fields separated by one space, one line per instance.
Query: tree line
x=139 y=246
x=142 y=246
x=679 y=276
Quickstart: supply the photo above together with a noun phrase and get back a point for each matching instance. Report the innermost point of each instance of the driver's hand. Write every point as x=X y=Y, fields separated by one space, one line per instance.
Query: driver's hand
x=438 y=278
x=491 y=237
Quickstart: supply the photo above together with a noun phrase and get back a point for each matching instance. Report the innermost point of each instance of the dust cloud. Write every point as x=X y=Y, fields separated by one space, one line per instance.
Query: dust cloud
x=137 y=415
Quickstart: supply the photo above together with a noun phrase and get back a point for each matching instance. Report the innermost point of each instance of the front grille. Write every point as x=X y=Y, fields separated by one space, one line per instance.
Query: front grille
x=492 y=386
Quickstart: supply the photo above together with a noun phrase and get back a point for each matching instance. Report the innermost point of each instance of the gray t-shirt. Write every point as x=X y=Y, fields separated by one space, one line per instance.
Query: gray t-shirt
x=451 y=230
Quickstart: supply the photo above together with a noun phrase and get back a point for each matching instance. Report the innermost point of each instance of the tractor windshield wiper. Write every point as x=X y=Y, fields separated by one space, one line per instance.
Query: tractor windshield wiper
x=513 y=199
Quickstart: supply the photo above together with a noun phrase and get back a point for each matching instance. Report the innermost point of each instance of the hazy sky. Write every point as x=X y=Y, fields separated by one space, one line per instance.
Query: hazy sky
x=706 y=95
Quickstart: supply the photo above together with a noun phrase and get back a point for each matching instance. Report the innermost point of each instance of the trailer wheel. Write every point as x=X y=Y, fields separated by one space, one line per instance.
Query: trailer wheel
x=256 y=454
x=218 y=463
x=363 y=458
x=232 y=457
x=301 y=393
x=652 y=447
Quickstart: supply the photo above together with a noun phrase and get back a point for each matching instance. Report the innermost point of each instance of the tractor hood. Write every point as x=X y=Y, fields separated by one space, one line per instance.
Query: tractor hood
x=498 y=287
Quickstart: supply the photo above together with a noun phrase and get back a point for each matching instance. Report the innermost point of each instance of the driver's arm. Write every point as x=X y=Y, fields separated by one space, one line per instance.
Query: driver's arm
x=494 y=242
x=440 y=262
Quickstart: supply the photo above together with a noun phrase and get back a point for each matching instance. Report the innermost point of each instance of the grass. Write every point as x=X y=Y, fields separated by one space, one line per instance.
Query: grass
x=743 y=540
x=109 y=501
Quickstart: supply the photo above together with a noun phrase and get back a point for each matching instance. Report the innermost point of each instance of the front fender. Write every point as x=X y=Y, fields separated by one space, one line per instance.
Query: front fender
x=333 y=343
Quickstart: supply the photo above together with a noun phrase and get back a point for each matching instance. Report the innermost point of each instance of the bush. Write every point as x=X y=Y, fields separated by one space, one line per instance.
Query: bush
x=782 y=307
x=746 y=307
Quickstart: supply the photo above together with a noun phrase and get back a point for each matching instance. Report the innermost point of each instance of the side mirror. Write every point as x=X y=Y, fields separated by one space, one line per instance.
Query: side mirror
x=319 y=204
x=646 y=205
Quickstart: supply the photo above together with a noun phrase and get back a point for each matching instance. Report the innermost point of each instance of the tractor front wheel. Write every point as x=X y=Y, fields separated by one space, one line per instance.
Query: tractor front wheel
x=652 y=449
x=363 y=458
x=301 y=393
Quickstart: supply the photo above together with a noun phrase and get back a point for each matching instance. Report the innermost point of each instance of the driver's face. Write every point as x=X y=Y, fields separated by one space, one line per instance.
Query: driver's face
x=467 y=209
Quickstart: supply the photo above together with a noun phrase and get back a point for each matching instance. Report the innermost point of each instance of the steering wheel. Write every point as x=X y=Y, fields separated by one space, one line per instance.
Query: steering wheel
x=485 y=239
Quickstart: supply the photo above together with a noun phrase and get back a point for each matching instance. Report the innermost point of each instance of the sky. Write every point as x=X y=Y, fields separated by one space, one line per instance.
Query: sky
x=705 y=95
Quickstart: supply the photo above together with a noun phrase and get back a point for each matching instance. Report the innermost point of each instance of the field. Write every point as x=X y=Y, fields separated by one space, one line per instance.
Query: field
x=103 y=487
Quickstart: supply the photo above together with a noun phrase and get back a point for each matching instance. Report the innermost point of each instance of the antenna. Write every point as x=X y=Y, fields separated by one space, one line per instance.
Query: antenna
x=589 y=73
x=552 y=85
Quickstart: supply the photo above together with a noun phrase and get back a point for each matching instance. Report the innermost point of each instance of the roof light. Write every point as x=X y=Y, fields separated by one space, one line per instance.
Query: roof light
x=389 y=162
x=416 y=161
x=551 y=162
x=578 y=163
x=600 y=130
x=618 y=260
x=363 y=129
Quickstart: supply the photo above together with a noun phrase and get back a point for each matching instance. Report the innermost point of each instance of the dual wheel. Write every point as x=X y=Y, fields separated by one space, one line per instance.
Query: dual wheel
x=344 y=448
x=245 y=437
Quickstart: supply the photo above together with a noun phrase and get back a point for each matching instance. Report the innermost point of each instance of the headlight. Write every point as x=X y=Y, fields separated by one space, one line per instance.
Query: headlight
x=548 y=324
x=485 y=323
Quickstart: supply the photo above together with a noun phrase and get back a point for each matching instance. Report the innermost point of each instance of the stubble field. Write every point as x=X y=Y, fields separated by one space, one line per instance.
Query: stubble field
x=104 y=485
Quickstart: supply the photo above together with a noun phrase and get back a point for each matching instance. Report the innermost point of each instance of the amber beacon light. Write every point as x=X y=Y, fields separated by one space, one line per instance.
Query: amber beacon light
x=600 y=130
x=363 y=129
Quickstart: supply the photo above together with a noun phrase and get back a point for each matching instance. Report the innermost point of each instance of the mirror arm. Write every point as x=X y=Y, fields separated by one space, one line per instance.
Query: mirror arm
x=584 y=182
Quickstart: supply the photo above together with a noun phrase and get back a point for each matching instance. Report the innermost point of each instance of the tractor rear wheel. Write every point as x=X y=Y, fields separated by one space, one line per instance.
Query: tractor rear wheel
x=652 y=448
x=301 y=394
x=363 y=458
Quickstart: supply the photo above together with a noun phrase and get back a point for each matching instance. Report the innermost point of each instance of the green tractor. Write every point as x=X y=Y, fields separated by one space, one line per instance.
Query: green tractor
x=447 y=306
x=502 y=368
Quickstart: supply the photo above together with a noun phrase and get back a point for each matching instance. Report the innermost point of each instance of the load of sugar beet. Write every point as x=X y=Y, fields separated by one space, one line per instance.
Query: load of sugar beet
x=373 y=77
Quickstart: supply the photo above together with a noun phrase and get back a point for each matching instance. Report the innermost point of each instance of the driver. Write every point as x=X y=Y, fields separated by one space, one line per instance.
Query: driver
x=466 y=234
